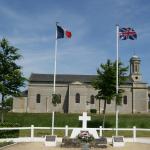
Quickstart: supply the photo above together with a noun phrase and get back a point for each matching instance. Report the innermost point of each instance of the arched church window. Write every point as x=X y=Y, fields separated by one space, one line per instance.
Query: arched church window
x=149 y=96
x=125 y=99
x=77 y=98
x=149 y=101
x=38 y=98
x=136 y=68
x=59 y=98
x=92 y=99
x=133 y=68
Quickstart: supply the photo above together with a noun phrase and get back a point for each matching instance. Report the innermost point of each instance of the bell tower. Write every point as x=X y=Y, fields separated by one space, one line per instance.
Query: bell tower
x=135 y=68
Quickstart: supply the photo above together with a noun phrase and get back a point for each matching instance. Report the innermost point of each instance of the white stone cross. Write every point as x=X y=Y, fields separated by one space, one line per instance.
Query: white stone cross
x=84 y=119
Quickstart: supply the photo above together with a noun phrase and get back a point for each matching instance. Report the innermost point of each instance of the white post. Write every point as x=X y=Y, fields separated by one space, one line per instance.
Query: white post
x=117 y=44
x=134 y=134
x=32 y=131
x=52 y=123
x=66 y=130
x=55 y=62
x=100 y=131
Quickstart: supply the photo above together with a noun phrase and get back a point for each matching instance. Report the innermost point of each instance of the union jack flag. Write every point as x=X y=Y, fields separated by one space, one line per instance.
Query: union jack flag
x=127 y=33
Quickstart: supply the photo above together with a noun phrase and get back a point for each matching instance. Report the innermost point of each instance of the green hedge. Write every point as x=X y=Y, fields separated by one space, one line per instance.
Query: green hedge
x=9 y=133
x=94 y=111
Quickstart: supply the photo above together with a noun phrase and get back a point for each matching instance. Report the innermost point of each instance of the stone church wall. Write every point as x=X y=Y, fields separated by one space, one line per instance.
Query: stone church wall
x=140 y=96
x=19 y=104
x=85 y=92
x=137 y=99
x=46 y=92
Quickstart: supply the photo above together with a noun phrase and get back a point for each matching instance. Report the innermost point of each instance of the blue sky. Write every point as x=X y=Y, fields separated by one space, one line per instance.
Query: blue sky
x=30 y=26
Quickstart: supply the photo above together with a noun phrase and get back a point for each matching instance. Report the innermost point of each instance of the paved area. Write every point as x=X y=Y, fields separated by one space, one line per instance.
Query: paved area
x=41 y=146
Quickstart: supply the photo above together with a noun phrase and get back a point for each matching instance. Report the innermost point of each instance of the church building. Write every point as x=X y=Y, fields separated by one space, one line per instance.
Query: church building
x=77 y=94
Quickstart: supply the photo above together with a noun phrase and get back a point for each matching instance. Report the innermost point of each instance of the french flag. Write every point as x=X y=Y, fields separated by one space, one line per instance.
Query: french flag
x=61 y=33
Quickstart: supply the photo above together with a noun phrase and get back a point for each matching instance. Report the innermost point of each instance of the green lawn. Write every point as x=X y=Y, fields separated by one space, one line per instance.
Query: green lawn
x=44 y=120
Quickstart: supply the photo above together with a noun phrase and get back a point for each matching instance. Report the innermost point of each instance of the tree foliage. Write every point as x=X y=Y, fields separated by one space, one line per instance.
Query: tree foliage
x=11 y=78
x=8 y=103
x=105 y=82
x=56 y=99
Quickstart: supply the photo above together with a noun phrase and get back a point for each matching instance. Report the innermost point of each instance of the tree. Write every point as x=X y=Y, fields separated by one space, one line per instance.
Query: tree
x=8 y=103
x=105 y=82
x=11 y=78
x=56 y=99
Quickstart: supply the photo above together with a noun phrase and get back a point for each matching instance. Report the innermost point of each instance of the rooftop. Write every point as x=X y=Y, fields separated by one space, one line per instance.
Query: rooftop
x=61 y=78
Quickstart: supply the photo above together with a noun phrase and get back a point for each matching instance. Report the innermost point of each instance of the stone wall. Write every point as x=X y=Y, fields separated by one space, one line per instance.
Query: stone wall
x=140 y=96
x=46 y=92
x=19 y=104
x=137 y=99
x=85 y=92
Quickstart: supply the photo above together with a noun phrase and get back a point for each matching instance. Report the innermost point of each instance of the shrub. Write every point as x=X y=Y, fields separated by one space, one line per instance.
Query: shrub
x=94 y=111
x=56 y=99
x=9 y=133
x=94 y=123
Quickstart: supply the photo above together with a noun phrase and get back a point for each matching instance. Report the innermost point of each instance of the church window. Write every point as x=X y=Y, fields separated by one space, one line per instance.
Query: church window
x=92 y=99
x=149 y=101
x=125 y=99
x=77 y=98
x=59 y=98
x=132 y=68
x=136 y=68
x=38 y=98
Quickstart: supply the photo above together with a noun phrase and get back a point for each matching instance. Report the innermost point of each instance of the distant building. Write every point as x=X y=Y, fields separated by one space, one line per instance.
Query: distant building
x=77 y=94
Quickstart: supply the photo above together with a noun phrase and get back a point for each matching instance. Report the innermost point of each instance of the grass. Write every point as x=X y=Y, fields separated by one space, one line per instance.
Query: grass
x=2 y=144
x=41 y=119
x=44 y=120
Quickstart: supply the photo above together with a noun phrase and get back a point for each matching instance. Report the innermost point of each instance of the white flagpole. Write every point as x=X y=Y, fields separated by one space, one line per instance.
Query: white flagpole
x=55 y=62
x=117 y=44
x=53 y=123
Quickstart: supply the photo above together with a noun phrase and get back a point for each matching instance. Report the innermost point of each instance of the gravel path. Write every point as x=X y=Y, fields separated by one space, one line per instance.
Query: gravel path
x=41 y=146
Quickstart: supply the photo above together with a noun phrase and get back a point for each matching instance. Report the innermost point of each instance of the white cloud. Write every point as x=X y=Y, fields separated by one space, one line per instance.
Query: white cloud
x=93 y=40
x=29 y=40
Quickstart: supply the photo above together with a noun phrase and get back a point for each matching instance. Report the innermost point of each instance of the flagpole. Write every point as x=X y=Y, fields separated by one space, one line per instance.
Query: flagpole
x=54 y=91
x=117 y=54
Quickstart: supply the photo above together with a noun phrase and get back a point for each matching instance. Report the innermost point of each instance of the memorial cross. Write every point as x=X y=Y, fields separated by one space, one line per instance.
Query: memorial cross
x=84 y=118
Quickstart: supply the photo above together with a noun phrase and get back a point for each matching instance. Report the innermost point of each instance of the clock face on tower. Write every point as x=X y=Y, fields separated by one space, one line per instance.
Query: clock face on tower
x=136 y=77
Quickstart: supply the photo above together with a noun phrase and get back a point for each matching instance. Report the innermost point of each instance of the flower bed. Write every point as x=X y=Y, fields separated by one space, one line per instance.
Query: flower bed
x=85 y=136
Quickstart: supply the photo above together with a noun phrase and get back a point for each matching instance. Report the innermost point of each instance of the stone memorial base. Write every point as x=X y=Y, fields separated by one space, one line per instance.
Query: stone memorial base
x=85 y=146
x=50 y=140
x=118 y=141
x=101 y=142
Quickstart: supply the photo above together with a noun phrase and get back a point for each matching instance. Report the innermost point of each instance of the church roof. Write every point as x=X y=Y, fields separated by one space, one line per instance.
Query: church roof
x=60 y=78
x=135 y=57
x=24 y=93
x=66 y=78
